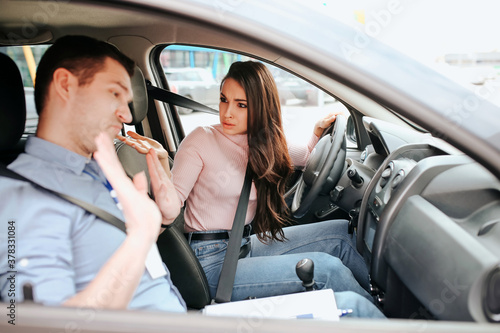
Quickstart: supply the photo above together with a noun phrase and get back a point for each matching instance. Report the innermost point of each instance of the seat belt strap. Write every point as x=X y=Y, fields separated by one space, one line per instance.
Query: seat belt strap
x=226 y=279
x=98 y=212
x=176 y=99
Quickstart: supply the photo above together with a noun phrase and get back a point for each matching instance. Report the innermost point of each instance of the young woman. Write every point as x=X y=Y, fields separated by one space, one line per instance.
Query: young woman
x=208 y=175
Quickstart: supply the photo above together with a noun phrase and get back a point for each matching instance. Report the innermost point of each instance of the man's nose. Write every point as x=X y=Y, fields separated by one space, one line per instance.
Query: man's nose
x=124 y=113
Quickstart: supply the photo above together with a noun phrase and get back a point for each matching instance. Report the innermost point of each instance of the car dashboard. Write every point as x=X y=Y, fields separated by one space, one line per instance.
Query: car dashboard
x=429 y=228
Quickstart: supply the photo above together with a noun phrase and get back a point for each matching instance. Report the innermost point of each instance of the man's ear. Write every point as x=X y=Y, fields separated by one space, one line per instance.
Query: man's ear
x=64 y=83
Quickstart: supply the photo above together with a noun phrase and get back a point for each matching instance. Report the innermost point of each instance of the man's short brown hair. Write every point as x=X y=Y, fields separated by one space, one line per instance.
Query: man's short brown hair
x=81 y=55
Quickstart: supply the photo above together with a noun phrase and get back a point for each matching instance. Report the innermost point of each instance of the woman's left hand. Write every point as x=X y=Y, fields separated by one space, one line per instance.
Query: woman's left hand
x=325 y=122
x=143 y=144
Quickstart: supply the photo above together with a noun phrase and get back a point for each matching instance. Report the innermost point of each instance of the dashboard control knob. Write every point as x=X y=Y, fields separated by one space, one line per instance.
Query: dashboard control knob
x=398 y=179
x=386 y=174
x=336 y=193
x=355 y=177
x=492 y=296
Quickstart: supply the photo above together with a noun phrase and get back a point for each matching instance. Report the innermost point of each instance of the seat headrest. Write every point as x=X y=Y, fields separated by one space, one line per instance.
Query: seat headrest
x=139 y=107
x=12 y=103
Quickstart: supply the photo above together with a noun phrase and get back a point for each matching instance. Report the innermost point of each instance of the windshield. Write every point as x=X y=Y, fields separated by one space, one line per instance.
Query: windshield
x=455 y=38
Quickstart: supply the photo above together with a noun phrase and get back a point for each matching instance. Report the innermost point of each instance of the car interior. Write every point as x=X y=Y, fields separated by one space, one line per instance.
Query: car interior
x=426 y=215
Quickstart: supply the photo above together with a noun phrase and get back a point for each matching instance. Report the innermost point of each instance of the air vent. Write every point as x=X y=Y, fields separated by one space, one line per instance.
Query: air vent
x=398 y=179
x=492 y=296
x=487 y=227
x=386 y=175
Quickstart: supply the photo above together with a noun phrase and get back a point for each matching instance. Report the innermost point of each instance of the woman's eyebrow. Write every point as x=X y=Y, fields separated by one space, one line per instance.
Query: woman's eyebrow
x=237 y=99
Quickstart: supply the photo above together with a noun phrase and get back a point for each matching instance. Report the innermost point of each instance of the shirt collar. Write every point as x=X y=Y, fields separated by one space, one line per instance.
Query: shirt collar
x=54 y=153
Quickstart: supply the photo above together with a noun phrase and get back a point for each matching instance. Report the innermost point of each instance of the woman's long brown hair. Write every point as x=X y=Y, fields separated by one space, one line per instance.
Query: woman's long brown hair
x=268 y=152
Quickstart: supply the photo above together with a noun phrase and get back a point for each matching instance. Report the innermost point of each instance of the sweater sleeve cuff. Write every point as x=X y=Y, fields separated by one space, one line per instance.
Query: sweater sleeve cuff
x=312 y=142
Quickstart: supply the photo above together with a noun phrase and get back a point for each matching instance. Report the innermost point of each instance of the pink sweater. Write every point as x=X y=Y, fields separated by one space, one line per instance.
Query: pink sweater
x=208 y=173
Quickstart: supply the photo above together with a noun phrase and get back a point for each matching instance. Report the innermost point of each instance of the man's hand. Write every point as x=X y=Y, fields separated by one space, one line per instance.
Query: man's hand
x=141 y=213
x=143 y=221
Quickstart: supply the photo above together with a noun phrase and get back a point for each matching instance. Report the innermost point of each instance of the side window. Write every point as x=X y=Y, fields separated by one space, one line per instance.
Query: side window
x=196 y=73
x=27 y=59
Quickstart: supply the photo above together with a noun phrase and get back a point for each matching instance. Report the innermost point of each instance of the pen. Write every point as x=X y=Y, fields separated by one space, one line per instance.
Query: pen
x=343 y=312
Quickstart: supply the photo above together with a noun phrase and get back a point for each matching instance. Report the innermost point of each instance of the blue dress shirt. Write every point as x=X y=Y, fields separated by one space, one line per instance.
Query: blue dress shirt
x=60 y=247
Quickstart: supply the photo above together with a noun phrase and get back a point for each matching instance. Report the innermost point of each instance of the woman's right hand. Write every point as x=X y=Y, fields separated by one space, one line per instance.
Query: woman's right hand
x=164 y=190
x=143 y=144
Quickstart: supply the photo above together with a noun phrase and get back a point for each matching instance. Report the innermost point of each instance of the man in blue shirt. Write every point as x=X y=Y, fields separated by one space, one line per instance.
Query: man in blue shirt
x=70 y=256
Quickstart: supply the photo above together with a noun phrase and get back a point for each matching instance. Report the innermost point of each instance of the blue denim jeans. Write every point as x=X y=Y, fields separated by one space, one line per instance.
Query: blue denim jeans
x=269 y=269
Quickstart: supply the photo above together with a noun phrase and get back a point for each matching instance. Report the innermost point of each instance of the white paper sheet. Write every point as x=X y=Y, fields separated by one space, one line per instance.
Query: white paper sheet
x=318 y=304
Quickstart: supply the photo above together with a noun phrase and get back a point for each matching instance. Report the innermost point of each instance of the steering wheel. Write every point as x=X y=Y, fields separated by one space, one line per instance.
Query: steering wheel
x=323 y=169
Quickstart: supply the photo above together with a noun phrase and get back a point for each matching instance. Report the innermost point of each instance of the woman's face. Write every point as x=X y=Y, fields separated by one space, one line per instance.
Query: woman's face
x=233 y=108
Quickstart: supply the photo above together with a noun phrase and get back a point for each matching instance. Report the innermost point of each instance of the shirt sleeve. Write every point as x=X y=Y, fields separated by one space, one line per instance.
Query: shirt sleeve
x=188 y=163
x=300 y=153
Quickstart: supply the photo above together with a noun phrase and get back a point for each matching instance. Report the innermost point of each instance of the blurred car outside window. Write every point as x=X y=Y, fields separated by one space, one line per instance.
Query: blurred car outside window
x=194 y=83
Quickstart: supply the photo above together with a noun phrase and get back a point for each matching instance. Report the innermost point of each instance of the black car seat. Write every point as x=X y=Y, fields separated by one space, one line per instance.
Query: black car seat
x=12 y=110
x=186 y=272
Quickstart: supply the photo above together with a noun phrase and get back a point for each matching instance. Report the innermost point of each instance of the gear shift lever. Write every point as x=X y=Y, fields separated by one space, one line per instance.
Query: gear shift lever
x=305 y=272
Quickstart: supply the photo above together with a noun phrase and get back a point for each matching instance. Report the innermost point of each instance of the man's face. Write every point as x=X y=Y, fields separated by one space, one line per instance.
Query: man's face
x=101 y=106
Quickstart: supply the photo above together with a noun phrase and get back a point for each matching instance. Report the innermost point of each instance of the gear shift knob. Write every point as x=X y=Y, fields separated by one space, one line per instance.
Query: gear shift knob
x=305 y=272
